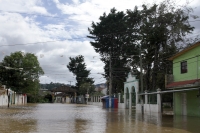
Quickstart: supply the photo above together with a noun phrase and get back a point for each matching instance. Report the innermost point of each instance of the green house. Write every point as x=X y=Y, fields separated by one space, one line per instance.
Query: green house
x=185 y=81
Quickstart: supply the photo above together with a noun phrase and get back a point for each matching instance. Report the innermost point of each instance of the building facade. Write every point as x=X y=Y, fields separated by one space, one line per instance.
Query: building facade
x=186 y=81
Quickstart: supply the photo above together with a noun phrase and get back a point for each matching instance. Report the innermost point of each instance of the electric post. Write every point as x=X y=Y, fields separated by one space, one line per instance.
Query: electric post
x=141 y=81
x=110 y=81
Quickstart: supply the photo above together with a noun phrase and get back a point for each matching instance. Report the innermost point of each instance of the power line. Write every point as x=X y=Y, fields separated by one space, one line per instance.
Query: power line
x=48 y=16
x=60 y=40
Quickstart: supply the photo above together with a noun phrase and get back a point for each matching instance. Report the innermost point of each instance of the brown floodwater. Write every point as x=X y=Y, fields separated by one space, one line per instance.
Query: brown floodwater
x=77 y=118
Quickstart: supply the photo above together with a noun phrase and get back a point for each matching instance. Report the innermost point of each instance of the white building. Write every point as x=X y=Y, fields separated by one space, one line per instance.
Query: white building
x=11 y=96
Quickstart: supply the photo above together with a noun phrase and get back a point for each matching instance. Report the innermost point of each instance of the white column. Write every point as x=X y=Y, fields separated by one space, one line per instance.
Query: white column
x=119 y=97
x=125 y=100
x=159 y=100
x=146 y=97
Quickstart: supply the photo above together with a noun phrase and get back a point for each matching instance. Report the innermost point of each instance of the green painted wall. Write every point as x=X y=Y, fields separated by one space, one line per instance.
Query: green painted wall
x=193 y=65
x=193 y=103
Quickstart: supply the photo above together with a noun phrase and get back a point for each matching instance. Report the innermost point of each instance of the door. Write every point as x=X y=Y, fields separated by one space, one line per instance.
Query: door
x=184 y=104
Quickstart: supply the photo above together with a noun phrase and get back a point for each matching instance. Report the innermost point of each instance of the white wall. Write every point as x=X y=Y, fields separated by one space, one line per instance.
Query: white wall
x=68 y=100
x=148 y=108
x=3 y=100
x=19 y=100
x=151 y=108
x=121 y=105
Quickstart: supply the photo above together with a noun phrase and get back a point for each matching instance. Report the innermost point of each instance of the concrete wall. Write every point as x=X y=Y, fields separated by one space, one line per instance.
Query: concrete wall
x=20 y=99
x=154 y=108
x=3 y=100
x=151 y=108
x=15 y=99
x=68 y=100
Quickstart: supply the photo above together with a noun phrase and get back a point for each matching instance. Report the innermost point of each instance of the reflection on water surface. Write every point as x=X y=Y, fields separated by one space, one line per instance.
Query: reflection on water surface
x=64 y=118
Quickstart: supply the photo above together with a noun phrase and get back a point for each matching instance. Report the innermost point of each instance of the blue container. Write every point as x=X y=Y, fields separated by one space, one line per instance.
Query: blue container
x=107 y=102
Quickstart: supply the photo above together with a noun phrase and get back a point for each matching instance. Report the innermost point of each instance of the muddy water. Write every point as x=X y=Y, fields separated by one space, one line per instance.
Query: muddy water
x=69 y=118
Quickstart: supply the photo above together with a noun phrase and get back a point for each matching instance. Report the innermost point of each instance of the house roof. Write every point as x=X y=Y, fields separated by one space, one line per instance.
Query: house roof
x=182 y=83
x=62 y=94
x=185 y=50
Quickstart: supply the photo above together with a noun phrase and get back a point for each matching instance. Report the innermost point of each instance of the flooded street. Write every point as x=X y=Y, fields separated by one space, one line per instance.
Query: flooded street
x=71 y=118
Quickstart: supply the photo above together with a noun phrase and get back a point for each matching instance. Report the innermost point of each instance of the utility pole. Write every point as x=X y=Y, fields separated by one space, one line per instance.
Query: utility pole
x=141 y=80
x=70 y=82
x=110 y=80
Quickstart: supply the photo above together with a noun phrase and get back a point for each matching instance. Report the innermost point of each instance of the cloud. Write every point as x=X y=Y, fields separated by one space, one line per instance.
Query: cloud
x=17 y=29
x=24 y=6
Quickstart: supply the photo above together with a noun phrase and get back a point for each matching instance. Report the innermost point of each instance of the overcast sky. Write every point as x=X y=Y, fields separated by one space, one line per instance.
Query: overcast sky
x=62 y=27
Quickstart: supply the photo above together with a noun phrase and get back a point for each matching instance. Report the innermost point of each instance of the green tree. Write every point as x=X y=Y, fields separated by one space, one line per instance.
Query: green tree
x=113 y=37
x=51 y=85
x=21 y=72
x=86 y=88
x=78 y=67
x=162 y=27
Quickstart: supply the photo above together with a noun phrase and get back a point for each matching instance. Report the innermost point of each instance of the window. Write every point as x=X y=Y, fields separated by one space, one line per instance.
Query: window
x=184 y=67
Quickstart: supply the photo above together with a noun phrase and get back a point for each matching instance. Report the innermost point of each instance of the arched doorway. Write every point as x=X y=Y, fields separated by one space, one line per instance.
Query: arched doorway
x=127 y=98
x=133 y=96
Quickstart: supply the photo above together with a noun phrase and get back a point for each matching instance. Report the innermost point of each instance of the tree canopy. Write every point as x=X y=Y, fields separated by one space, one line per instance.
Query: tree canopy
x=21 y=72
x=78 y=67
x=156 y=29
x=112 y=39
x=162 y=27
